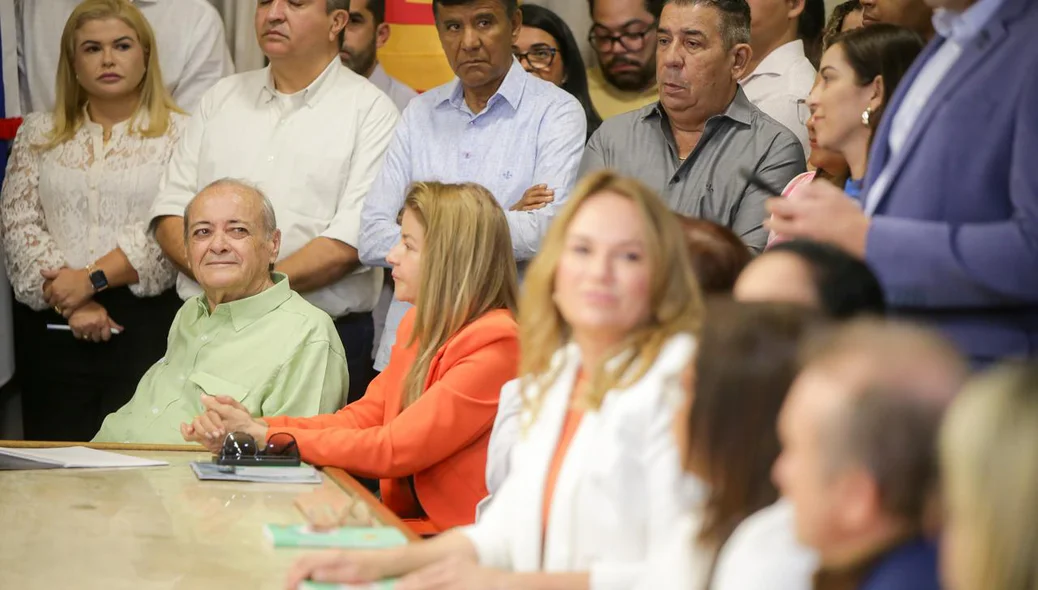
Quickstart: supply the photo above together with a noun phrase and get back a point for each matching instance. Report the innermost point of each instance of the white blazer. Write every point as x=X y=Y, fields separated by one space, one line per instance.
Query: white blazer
x=617 y=496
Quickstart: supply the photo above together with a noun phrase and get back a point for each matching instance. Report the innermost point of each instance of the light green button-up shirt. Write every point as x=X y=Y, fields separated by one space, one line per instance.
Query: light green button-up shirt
x=274 y=352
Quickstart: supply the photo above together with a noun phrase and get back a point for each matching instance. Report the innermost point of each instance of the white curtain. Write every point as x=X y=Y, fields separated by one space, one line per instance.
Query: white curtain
x=238 y=18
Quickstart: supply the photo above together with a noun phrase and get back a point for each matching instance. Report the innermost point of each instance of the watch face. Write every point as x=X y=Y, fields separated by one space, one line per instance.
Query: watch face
x=98 y=280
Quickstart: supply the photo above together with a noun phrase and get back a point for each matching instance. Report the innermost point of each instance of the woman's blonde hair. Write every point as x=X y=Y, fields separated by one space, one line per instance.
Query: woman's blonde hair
x=467 y=267
x=155 y=99
x=675 y=302
x=989 y=459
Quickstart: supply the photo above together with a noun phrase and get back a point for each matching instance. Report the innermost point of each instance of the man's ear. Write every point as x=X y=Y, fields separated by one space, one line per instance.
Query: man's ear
x=382 y=35
x=795 y=8
x=741 y=55
x=517 y=24
x=275 y=242
x=340 y=18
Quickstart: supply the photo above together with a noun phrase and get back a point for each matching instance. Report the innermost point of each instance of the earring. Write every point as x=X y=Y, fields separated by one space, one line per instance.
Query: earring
x=866 y=115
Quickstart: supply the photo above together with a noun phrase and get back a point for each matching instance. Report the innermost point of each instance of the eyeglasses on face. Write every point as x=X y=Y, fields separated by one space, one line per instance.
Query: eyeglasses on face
x=603 y=40
x=539 y=58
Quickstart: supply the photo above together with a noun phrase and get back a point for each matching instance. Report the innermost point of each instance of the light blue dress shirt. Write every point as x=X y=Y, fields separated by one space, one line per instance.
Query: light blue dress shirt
x=957 y=29
x=531 y=132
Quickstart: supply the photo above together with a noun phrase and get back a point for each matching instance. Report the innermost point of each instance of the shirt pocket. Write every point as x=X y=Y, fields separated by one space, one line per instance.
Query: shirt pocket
x=321 y=182
x=213 y=385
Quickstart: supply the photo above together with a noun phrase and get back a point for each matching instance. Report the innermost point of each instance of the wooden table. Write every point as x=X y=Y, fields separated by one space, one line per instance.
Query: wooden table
x=156 y=527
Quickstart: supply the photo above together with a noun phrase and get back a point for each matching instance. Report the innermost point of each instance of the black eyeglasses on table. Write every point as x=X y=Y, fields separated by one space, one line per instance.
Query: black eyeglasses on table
x=240 y=449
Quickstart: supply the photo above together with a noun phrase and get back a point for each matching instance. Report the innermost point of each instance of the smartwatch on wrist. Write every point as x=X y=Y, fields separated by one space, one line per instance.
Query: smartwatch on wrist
x=97 y=278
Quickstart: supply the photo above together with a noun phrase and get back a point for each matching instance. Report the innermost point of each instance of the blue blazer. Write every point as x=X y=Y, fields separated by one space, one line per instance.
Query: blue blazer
x=954 y=240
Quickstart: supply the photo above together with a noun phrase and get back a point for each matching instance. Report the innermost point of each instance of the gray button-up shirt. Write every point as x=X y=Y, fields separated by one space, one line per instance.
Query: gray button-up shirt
x=708 y=184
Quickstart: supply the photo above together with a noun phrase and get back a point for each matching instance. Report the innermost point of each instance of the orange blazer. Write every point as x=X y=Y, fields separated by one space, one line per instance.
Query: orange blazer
x=441 y=439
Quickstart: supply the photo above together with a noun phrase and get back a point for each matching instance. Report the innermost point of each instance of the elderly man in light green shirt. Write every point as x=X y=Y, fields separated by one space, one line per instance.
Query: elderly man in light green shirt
x=247 y=336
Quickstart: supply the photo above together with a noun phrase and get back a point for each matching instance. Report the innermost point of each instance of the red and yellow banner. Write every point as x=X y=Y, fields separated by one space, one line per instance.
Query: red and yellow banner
x=413 y=54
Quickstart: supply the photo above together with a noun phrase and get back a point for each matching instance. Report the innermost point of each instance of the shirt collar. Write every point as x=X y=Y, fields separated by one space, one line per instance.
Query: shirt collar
x=244 y=312
x=312 y=93
x=739 y=110
x=964 y=26
x=511 y=89
x=379 y=77
x=778 y=61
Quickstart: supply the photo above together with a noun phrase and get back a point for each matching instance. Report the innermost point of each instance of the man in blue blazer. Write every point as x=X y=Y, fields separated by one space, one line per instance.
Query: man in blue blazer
x=949 y=221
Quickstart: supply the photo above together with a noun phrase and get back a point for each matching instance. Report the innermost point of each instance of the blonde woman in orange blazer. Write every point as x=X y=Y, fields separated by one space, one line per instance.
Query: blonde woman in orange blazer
x=423 y=425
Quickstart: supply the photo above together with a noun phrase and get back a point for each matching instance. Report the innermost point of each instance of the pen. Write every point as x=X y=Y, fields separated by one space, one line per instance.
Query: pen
x=68 y=328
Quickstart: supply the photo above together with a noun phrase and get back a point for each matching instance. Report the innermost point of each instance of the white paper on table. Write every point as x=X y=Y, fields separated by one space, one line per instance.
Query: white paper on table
x=81 y=457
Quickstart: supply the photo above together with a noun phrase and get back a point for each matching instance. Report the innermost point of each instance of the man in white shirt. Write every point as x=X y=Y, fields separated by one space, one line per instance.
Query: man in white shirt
x=780 y=75
x=311 y=134
x=190 y=36
x=365 y=34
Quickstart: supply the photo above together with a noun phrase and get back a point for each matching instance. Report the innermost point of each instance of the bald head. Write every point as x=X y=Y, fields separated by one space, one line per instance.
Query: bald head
x=232 y=240
x=245 y=190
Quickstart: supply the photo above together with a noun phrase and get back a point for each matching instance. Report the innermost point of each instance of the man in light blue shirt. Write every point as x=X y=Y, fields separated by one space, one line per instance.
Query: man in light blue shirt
x=494 y=125
x=950 y=220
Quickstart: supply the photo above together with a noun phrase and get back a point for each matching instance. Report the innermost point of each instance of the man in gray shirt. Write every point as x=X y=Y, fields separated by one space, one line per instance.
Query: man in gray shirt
x=694 y=144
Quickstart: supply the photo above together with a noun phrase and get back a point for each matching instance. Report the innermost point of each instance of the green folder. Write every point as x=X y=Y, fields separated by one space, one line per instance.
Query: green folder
x=341 y=538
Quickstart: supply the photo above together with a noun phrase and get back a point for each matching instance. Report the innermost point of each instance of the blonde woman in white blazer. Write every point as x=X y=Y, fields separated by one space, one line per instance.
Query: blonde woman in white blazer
x=606 y=322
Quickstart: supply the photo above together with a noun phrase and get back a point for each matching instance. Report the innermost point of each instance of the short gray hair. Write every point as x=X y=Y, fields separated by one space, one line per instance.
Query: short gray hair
x=734 y=18
x=270 y=222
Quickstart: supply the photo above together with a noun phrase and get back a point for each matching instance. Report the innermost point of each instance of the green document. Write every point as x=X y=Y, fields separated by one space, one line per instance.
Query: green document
x=340 y=538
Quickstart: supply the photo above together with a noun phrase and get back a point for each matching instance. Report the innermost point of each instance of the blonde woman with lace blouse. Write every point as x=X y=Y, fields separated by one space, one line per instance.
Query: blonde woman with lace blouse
x=73 y=215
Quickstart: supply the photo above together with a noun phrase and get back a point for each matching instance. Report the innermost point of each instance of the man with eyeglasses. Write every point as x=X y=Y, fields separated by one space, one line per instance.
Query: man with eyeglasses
x=494 y=124
x=623 y=36
x=700 y=144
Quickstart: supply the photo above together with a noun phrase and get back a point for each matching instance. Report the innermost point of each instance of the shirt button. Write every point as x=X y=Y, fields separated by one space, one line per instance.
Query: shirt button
x=205 y=339
x=270 y=158
x=155 y=411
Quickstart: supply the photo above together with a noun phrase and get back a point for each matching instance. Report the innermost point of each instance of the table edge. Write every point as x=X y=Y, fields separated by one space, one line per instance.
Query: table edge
x=344 y=480
x=35 y=444
x=385 y=515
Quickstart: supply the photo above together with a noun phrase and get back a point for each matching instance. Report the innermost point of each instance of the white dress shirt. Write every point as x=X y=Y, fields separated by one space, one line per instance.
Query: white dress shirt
x=778 y=85
x=617 y=497
x=73 y=204
x=763 y=554
x=397 y=91
x=189 y=34
x=314 y=153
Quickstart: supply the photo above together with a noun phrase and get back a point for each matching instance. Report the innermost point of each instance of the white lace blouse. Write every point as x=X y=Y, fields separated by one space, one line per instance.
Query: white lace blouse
x=73 y=204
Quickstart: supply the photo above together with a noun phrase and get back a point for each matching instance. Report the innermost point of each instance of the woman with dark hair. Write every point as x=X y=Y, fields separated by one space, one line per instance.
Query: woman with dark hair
x=860 y=71
x=816 y=275
x=547 y=49
x=859 y=74
x=726 y=430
